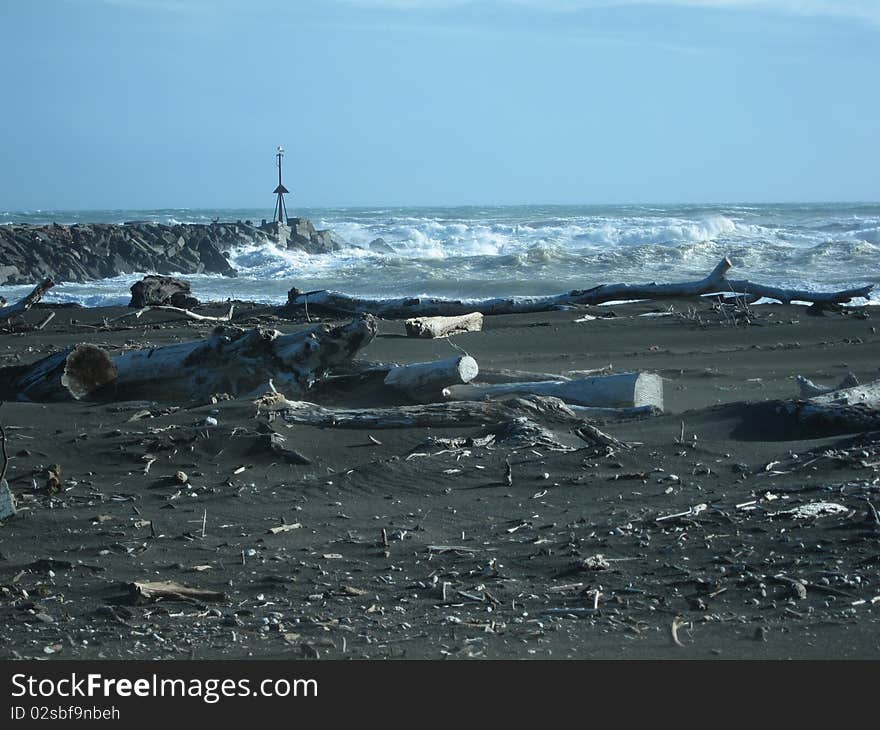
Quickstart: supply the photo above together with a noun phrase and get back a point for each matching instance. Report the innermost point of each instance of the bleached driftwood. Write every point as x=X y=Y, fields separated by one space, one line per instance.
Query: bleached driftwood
x=597 y=412
x=605 y=370
x=172 y=591
x=809 y=389
x=7 y=501
x=715 y=282
x=856 y=408
x=188 y=314
x=24 y=304
x=426 y=380
x=504 y=375
x=363 y=372
x=624 y=390
x=466 y=413
x=434 y=327
x=521 y=432
x=231 y=361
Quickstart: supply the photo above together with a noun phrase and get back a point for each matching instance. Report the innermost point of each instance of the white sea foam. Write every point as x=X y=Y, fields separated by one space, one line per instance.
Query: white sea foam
x=526 y=250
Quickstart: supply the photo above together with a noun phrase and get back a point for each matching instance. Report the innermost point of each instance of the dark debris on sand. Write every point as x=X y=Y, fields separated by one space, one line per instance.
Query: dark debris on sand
x=175 y=530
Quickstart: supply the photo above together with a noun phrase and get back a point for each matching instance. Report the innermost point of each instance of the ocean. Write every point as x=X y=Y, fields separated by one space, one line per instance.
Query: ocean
x=520 y=250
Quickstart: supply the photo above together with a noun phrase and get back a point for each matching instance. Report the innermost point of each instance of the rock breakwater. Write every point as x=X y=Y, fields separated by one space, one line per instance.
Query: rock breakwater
x=84 y=252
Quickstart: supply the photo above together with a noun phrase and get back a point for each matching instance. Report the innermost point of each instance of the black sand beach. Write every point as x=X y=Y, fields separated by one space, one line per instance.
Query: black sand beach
x=399 y=547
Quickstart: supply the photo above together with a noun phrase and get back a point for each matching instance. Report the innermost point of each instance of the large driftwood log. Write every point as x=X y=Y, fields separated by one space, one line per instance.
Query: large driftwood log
x=856 y=408
x=23 y=305
x=504 y=375
x=426 y=380
x=598 y=412
x=430 y=306
x=466 y=413
x=624 y=390
x=434 y=327
x=231 y=361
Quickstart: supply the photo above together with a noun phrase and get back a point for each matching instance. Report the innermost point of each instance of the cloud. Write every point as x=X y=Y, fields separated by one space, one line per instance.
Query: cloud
x=859 y=10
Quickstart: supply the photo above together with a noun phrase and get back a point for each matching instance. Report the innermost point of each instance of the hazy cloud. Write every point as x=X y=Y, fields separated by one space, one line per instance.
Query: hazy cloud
x=862 y=10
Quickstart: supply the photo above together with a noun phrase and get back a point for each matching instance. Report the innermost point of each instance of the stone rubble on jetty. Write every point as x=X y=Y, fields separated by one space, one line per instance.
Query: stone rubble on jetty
x=83 y=252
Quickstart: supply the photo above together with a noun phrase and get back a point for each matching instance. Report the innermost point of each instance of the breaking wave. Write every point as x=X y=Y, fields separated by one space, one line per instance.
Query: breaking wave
x=525 y=250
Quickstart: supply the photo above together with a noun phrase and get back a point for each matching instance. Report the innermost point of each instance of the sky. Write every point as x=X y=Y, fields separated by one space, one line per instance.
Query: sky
x=181 y=103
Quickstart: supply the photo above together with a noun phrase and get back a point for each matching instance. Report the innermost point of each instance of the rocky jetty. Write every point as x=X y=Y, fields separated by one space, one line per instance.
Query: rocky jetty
x=83 y=252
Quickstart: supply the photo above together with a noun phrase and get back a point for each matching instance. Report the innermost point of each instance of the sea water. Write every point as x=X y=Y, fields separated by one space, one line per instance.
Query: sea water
x=519 y=250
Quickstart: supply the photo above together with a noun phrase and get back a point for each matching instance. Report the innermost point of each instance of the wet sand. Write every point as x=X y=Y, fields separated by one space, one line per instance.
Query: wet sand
x=367 y=574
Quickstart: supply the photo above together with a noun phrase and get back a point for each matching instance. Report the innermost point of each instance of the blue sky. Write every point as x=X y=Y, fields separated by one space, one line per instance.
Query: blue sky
x=181 y=103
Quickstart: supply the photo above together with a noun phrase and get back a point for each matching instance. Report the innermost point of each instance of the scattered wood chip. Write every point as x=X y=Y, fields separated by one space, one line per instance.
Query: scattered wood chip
x=168 y=589
x=352 y=591
x=284 y=528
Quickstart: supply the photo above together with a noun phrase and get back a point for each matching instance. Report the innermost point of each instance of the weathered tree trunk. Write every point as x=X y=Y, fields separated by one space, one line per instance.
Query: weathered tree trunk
x=715 y=282
x=231 y=361
x=856 y=408
x=598 y=412
x=466 y=413
x=503 y=375
x=23 y=305
x=809 y=389
x=625 y=390
x=434 y=327
x=46 y=379
x=426 y=380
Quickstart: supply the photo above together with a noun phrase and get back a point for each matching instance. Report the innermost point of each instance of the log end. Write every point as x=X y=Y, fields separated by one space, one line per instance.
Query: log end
x=648 y=391
x=720 y=270
x=87 y=370
x=468 y=369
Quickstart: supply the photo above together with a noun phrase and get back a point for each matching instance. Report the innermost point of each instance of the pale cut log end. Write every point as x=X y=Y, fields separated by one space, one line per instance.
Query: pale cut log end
x=468 y=369
x=721 y=269
x=87 y=370
x=648 y=391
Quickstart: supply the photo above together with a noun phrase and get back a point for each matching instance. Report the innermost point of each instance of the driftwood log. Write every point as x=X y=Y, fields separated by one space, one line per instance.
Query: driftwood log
x=505 y=375
x=716 y=282
x=856 y=408
x=425 y=381
x=436 y=327
x=809 y=389
x=624 y=390
x=464 y=413
x=186 y=313
x=23 y=305
x=232 y=361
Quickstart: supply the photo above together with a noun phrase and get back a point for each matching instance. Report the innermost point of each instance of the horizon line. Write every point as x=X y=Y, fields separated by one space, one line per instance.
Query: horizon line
x=439 y=206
